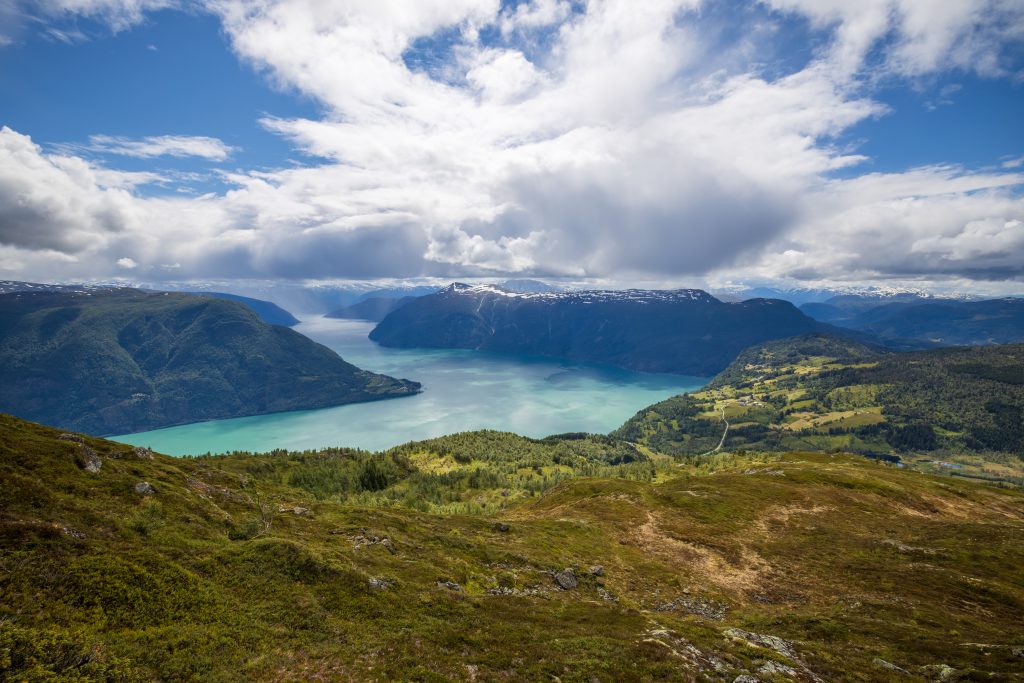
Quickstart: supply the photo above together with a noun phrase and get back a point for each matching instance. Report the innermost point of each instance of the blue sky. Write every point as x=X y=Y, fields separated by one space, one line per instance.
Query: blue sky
x=685 y=142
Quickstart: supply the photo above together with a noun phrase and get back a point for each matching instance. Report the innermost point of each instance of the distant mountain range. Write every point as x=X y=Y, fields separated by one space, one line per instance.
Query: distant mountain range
x=111 y=361
x=374 y=309
x=939 y=322
x=684 y=331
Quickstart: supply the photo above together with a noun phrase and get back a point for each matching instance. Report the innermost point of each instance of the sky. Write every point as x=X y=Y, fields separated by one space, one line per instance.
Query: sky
x=797 y=143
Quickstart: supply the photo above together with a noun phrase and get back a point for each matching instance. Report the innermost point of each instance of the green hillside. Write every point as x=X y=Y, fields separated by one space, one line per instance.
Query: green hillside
x=959 y=409
x=585 y=560
x=121 y=360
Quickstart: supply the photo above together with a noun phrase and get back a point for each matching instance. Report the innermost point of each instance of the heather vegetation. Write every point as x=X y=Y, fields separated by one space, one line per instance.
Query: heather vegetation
x=122 y=565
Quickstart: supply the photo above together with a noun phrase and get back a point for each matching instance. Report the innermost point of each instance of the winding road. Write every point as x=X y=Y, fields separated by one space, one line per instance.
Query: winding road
x=721 y=441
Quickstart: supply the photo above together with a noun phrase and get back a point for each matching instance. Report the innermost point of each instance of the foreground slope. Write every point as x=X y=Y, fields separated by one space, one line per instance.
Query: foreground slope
x=684 y=331
x=113 y=361
x=123 y=565
x=819 y=392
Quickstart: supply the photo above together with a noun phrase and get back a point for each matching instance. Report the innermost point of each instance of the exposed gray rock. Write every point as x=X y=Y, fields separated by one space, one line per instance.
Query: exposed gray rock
x=380 y=584
x=781 y=646
x=771 y=668
x=502 y=527
x=1017 y=651
x=605 y=595
x=144 y=488
x=295 y=510
x=87 y=459
x=71 y=437
x=746 y=678
x=566 y=579
x=878 y=661
x=142 y=453
x=450 y=585
x=597 y=570
x=709 y=609
x=940 y=672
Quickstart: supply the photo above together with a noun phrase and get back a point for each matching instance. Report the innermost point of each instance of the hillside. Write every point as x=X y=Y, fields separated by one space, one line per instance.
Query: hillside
x=679 y=331
x=114 y=361
x=945 y=322
x=269 y=312
x=375 y=308
x=122 y=565
x=823 y=393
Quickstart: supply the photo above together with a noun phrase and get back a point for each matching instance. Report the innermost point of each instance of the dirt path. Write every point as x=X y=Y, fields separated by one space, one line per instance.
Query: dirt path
x=721 y=442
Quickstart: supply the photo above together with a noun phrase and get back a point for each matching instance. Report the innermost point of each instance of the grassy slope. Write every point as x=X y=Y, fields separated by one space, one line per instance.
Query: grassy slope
x=217 y=575
x=964 y=405
x=117 y=361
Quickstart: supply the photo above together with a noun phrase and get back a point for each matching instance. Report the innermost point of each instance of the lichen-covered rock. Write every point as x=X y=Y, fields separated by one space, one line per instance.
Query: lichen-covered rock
x=144 y=488
x=71 y=437
x=597 y=570
x=142 y=453
x=878 y=661
x=87 y=459
x=566 y=579
x=450 y=585
x=380 y=584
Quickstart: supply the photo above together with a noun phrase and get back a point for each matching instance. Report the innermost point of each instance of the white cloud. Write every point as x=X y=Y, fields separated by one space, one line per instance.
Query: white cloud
x=615 y=141
x=127 y=263
x=160 y=145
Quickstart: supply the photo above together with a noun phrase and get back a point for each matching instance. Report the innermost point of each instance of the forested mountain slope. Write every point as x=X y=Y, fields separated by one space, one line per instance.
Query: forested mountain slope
x=113 y=361
x=819 y=392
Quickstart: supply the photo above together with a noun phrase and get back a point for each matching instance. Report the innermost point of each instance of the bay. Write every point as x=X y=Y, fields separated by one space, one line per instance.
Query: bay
x=462 y=391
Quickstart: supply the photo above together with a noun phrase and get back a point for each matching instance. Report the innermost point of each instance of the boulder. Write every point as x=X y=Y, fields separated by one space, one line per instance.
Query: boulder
x=502 y=527
x=450 y=585
x=87 y=459
x=597 y=570
x=144 y=488
x=142 y=453
x=566 y=579
x=379 y=584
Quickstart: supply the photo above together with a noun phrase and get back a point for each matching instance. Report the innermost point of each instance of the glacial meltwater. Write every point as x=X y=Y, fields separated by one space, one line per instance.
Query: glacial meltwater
x=462 y=391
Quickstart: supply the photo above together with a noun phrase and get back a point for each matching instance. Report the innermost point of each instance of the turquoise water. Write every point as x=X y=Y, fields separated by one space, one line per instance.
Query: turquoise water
x=462 y=390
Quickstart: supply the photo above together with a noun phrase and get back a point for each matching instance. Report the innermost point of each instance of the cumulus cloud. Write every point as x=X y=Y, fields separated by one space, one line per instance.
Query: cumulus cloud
x=611 y=139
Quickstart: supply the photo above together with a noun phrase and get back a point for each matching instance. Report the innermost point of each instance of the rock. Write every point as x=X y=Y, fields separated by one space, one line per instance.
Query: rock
x=597 y=570
x=566 y=579
x=940 y=672
x=87 y=459
x=879 y=662
x=294 y=509
x=142 y=453
x=746 y=678
x=502 y=527
x=771 y=668
x=144 y=488
x=380 y=584
x=1017 y=651
x=708 y=609
x=770 y=642
x=71 y=437
x=450 y=585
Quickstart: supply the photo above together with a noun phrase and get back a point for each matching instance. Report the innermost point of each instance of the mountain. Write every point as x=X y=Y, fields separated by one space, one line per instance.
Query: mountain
x=942 y=322
x=375 y=308
x=113 y=361
x=822 y=393
x=490 y=557
x=270 y=313
x=683 y=331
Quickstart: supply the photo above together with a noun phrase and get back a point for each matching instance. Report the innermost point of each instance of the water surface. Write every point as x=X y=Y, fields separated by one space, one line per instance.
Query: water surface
x=462 y=390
